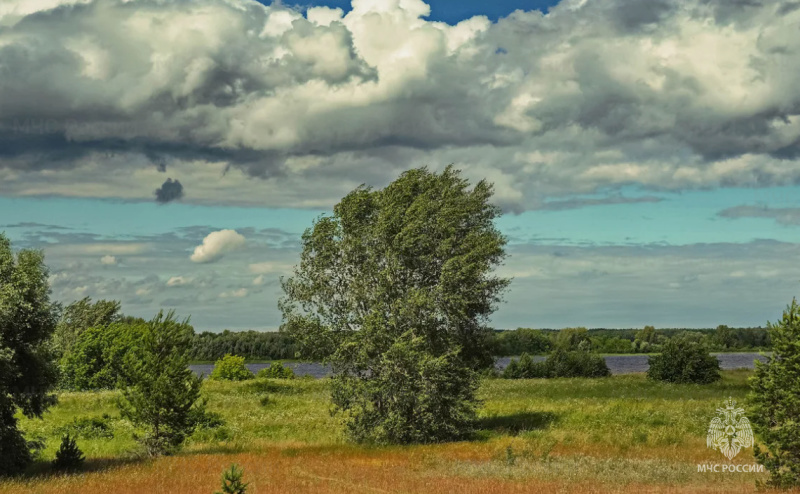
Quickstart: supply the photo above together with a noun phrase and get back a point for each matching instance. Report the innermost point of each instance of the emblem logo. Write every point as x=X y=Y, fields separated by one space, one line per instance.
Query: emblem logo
x=729 y=431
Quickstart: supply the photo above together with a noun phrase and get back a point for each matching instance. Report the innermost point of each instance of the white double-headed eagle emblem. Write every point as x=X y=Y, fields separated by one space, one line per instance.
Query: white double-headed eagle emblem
x=730 y=430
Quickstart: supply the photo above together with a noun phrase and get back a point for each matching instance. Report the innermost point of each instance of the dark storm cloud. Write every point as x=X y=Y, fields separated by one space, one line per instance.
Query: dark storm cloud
x=171 y=190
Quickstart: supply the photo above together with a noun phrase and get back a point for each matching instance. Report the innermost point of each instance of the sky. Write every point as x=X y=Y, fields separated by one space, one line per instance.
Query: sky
x=169 y=154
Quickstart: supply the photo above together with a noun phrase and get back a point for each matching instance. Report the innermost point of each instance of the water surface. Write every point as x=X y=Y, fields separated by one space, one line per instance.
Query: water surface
x=619 y=364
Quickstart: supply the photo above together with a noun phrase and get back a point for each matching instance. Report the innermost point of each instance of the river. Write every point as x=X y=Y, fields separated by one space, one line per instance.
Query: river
x=619 y=364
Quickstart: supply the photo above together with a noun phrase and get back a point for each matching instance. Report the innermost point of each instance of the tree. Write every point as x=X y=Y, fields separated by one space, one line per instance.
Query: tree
x=570 y=339
x=232 y=481
x=401 y=275
x=684 y=360
x=163 y=394
x=80 y=316
x=68 y=457
x=647 y=335
x=97 y=357
x=724 y=337
x=776 y=402
x=27 y=368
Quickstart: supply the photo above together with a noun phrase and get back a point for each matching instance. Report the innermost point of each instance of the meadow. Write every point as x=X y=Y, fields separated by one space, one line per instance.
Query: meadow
x=617 y=434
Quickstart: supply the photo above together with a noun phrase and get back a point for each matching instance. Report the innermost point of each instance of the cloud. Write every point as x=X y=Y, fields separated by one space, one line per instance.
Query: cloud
x=104 y=248
x=578 y=203
x=171 y=190
x=179 y=281
x=217 y=244
x=109 y=261
x=677 y=95
x=783 y=216
x=269 y=267
x=241 y=292
x=258 y=280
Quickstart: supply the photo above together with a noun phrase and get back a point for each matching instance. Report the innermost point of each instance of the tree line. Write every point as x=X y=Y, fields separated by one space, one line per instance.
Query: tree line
x=508 y=343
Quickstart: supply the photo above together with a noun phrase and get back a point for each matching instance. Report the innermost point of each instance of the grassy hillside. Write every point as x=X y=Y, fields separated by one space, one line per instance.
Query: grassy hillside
x=621 y=433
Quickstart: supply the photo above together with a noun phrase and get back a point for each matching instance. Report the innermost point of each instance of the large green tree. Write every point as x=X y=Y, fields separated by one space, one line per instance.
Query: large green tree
x=397 y=287
x=27 y=368
x=776 y=402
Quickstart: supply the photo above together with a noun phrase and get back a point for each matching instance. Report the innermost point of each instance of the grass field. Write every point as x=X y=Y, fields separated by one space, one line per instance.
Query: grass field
x=618 y=434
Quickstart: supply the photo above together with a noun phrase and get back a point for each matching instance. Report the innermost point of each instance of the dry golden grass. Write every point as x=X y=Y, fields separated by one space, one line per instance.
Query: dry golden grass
x=349 y=470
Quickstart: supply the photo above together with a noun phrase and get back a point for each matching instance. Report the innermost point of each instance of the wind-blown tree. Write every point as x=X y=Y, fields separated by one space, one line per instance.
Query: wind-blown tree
x=97 y=357
x=27 y=369
x=394 y=290
x=80 y=316
x=776 y=402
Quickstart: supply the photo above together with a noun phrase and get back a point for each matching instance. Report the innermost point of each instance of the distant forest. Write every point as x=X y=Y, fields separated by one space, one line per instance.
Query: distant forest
x=258 y=345
x=253 y=345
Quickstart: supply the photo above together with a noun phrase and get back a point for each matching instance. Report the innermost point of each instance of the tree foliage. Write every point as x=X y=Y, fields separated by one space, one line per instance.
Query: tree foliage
x=97 y=357
x=560 y=363
x=27 y=368
x=684 y=360
x=276 y=370
x=68 y=457
x=266 y=345
x=231 y=368
x=411 y=396
x=402 y=269
x=163 y=394
x=81 y=315
x=232 y=482
x=776 y=402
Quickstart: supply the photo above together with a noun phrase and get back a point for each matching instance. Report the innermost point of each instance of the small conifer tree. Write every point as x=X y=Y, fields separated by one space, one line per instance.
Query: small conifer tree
x=68 y=457
x=164 y=394
x=232 y=481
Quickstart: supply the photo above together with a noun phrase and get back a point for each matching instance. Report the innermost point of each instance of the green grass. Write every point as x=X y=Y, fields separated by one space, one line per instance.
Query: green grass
x=620 y=411
x=622 y=429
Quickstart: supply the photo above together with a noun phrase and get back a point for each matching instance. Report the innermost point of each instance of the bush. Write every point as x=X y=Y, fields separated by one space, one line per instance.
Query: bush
x=523 y=368
x=683 y=360
x=776 y=402
x=231 y=368
x=88 y=428
x=68 y=457
x=560 y=363
x=163 y=395
x=232 y=481
x=276 y=371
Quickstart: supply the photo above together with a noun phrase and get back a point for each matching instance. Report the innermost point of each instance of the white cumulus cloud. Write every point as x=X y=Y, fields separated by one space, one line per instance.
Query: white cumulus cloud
x=109 y=261
x=217 y=244
x=595 y=95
